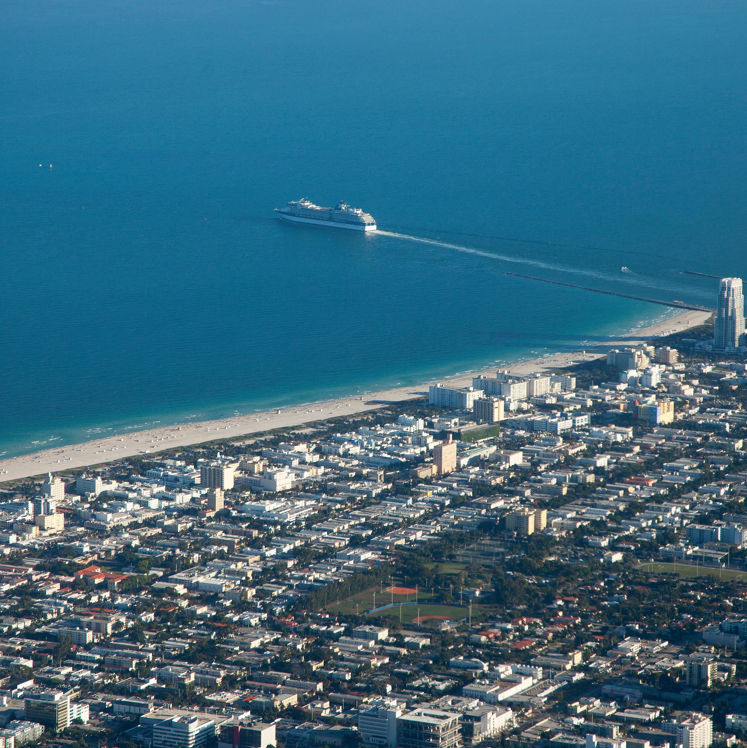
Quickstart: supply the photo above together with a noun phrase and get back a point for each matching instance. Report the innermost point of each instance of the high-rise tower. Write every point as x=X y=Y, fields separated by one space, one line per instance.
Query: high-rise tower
x=729 y=328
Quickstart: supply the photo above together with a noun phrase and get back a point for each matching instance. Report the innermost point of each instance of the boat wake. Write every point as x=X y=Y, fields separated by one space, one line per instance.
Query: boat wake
x=638 y=281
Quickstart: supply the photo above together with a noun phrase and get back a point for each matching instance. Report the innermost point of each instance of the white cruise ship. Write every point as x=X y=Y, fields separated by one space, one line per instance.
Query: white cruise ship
x=342 y=216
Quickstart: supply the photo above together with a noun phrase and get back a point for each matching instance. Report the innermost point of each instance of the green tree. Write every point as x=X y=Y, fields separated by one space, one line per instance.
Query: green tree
x=62 y=649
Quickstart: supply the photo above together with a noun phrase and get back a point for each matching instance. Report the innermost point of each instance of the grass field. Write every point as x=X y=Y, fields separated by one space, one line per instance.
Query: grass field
x=410 y=612
x=686 y=570
x=365 y=600
x=448 y=567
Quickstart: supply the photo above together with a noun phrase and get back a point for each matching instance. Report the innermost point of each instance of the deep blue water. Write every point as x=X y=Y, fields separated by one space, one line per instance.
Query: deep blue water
x=145 y=279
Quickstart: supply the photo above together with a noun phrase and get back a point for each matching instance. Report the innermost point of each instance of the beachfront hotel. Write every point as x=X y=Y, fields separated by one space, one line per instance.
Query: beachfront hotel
x=728 y=331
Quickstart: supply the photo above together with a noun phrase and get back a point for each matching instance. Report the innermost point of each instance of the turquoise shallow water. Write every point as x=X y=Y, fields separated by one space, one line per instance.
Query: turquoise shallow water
x=145 y=279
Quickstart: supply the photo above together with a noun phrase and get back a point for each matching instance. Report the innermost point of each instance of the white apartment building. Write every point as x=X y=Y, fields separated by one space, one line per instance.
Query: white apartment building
x=629 y=358
x=526 y=520
x=183 y=732
x=556 y=425
x=79 y=710
x=736 y=722
x=537 y=386
x=277 y=480
x=447 y=397
x=485 y=721
x=493 y=692
x=514 y=389
x=507 y=457
x=377 y=724
x=410 y=423
x=374 y=633
x=694 y=730
x=565 y=382
x=86 y=484
x=280 y=511
x=489 y=386
x=272 y=481
x=651 y=377
x=19 y=732
x=77 y=635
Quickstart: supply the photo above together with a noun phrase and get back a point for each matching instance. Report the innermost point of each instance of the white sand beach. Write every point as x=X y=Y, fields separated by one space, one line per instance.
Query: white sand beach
x=151 y=441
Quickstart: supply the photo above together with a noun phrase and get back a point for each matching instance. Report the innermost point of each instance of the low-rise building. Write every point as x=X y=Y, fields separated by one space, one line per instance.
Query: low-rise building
x=485 y=722
x=183 y=732
x=238 y=734
x=20 y=733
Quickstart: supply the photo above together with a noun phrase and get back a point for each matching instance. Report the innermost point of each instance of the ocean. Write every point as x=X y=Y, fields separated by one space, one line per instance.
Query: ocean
x=144 y=145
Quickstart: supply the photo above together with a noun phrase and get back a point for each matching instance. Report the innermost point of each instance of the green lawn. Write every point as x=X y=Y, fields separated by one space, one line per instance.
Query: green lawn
x=686 y=570
x=410 y=612
x=365 y=600
x=448 y=567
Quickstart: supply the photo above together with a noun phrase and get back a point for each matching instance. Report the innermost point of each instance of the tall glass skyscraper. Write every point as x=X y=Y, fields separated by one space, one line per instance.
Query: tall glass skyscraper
x=729 y=328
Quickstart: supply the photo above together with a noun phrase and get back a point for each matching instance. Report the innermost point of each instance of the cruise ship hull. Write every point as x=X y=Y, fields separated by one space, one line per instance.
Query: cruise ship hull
x=326 y=224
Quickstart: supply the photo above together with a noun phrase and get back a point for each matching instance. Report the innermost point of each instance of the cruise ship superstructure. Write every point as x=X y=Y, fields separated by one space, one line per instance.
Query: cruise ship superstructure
x=342 y=216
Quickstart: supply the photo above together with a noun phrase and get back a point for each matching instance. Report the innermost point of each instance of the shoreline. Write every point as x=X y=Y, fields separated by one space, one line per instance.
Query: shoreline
x=152 y=441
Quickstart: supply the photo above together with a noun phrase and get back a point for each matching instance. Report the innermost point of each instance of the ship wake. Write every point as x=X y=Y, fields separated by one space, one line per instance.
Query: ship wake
x=636 y=280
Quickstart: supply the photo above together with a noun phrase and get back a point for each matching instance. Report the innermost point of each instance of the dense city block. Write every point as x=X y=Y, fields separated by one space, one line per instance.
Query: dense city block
x=554 y=560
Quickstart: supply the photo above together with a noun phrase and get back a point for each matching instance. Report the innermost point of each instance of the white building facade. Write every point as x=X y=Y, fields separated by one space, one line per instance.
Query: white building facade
x=693 y=731
x=728 y=330
x=378 y=724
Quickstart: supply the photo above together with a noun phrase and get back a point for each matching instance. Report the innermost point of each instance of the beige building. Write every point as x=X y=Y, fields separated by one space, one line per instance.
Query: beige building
x=445 y=456
x=667 y=355
x=540 y=519
x=28 y=531
x=217 y=475
x=700 y=674
x=54 y=488
x=656 y=414
x=423 y=471
x=54 y=523
x=526 y=521
x=215 y=499
x=488 y=410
